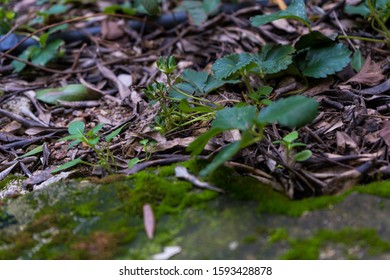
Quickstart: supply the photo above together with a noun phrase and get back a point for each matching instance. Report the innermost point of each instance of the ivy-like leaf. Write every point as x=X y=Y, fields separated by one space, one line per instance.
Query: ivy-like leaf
x=328 y=60
x=293 y=112
x=296 y=10
x=273 y=59
x=231 y=64
x=76 y=128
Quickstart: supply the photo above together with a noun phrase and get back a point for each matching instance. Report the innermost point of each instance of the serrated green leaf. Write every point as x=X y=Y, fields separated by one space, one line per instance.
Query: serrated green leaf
x=48 y=53
x=113 y=134
x=68 y=165
x=231 y=64
x=302 y=156
x=235 y=118
x=152 y=7
x=321 y=62
x=74 y=92
x=293 y=112
x=291 y=137
x=201 y=82
x=34 y=151
x=357 y=60
x=273 y=59
x=261 y=93
x=296 y=10
x=76 y=128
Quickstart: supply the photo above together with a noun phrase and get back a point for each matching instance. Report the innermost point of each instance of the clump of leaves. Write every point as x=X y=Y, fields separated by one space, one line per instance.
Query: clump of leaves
x=293 y=112
x=91 y=139
x=377 y=12
x=289 y=144
x=6 y=17
x=44 y=52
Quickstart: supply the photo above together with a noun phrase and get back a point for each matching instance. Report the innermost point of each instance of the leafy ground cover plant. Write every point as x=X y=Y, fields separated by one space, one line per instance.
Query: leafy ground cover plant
x=91 y=139
x=289 y=144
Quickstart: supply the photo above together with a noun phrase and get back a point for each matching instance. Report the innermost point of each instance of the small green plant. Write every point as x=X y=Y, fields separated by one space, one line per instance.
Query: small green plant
x=377 y=12
x=6 y=17
x=289 y=144
x=91 y=139
x=251 y=123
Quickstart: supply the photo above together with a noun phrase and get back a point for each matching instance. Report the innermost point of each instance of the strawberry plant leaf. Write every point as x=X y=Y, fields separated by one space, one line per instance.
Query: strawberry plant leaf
x=293 y=112
x=296 y=10
x=313 y=39
x=320 y=62
x=273 y=59
x=231 y=64
x=235 y=118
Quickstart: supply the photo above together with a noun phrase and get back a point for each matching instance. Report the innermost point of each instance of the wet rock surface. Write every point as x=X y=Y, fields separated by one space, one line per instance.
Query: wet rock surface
x=103 y=220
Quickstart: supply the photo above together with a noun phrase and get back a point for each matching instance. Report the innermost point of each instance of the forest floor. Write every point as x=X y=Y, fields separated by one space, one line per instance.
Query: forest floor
x=348 y=140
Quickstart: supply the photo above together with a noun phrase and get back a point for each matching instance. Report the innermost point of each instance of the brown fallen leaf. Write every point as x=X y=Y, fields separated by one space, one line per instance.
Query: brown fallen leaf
x=370 y=74
x=149 y=221
x=385 y=133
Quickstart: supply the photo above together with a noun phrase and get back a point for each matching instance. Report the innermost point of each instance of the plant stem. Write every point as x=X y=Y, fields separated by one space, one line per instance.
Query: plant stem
x=362 y=39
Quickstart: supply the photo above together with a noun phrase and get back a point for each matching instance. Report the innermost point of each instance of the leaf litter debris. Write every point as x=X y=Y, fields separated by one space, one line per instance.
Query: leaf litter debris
x=349 y=139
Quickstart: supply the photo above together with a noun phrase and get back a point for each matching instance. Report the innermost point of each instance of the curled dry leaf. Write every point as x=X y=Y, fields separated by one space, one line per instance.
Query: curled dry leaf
x=370 y=74
x=149 y=221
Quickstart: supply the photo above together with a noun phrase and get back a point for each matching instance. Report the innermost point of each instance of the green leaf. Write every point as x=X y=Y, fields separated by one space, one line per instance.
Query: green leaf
x=111 y=136
x=296 y=10
x=73 y=92
x=235 y=118
x=56 y=9
x=293 y=112
x=68 y=165
x=117 y=9
x=74 y=143
x=48 y=53
x=261 y=93
x=196 y=147
x=195 y=11
x=302 y=156
x=320 y=62
x=357 y=60
x=231 y=64
x=361 y=10
x=313 y=39
x=184 y=106
x=291 y=137
x=273 y=59
x=34 y=151
x=25 y=55
x=201 y=82
x=76 y=128
x=95 y=130
x=211 y=6
x=227 y=153
x=152 y=7
x=133 y=162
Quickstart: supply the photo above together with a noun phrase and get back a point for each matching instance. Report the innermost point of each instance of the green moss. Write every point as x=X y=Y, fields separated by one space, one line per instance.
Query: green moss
x=305 y=249
x=249 y=239
x=277 y=235
x=376 y=188
x=9 y=179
